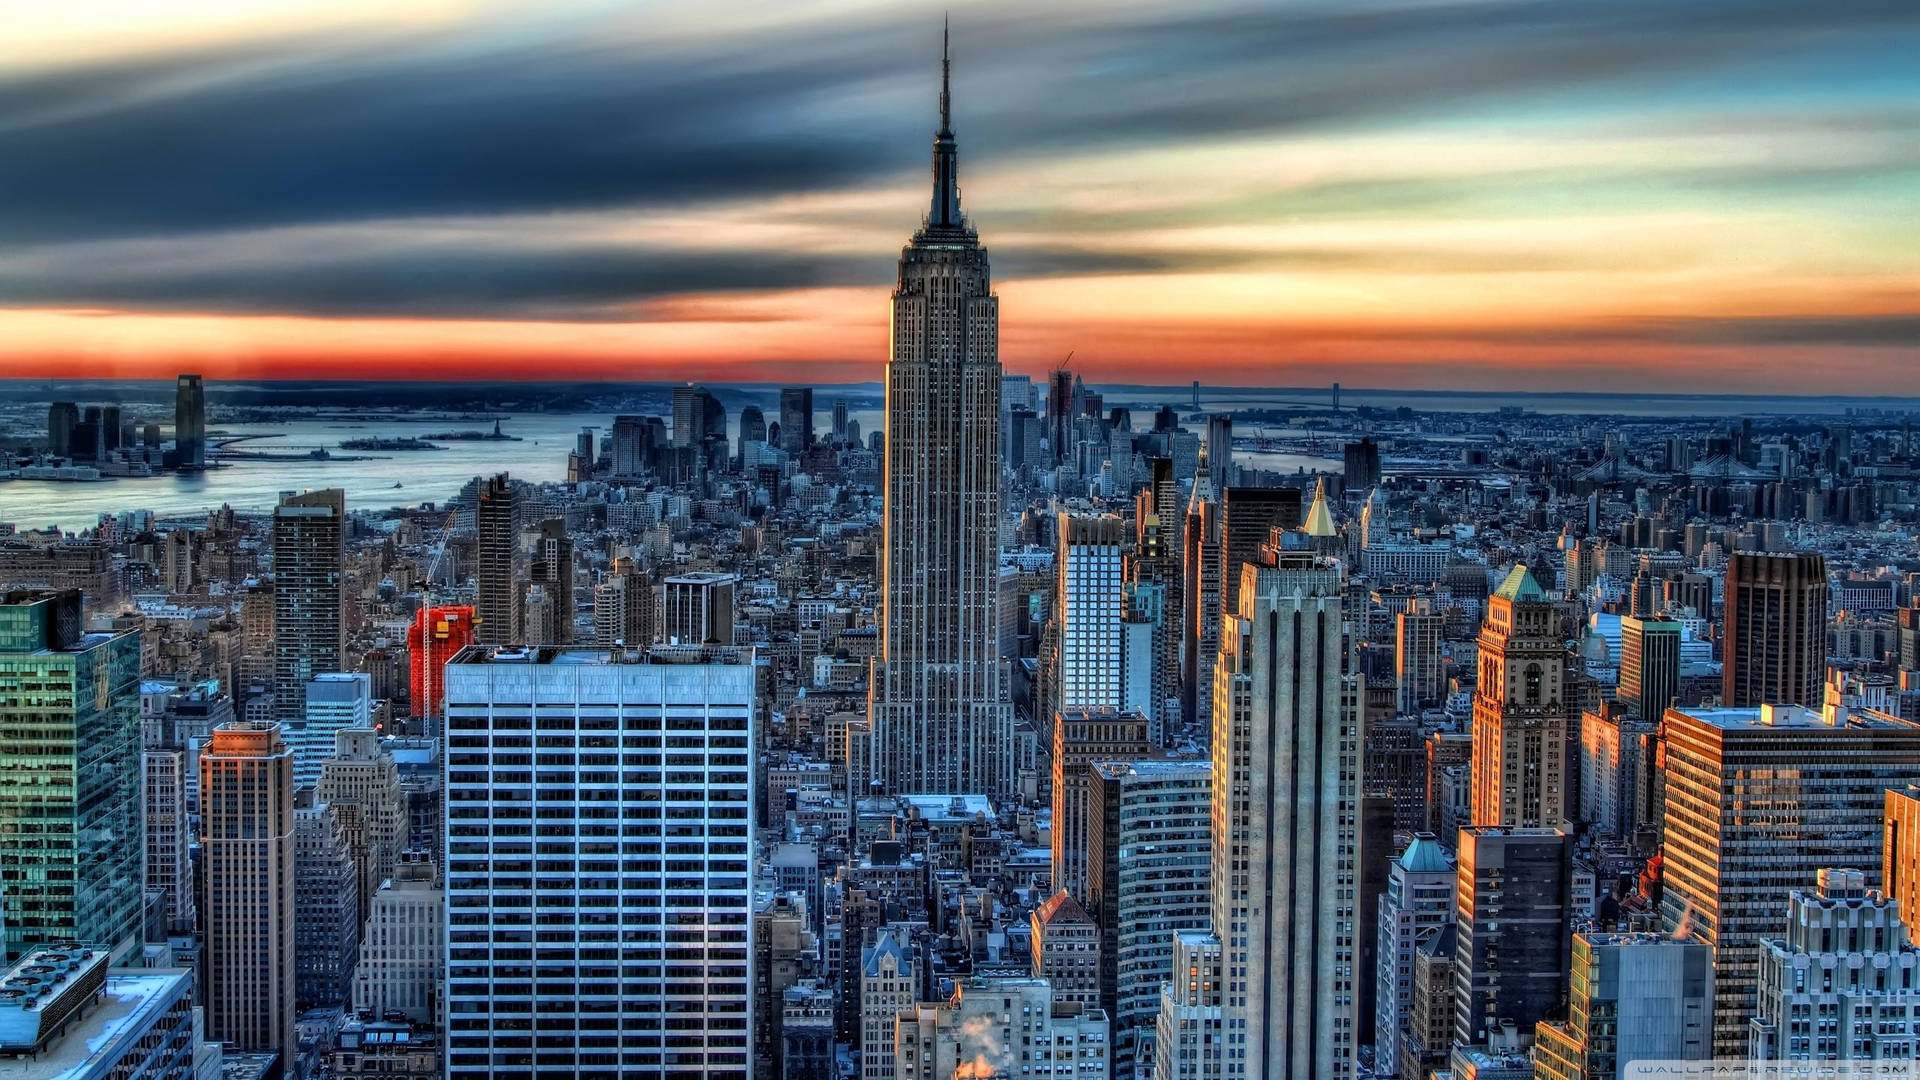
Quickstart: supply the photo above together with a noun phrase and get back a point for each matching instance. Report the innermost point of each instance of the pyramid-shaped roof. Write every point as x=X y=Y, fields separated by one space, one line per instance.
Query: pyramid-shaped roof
x=1520 y=585
x=1319 y=518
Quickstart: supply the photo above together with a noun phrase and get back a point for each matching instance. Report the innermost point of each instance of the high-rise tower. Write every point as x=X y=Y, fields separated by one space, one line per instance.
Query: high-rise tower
x=497 y=604
x=1520 y=710
x=1776 y=629
x=942 y=720
x=309 y=637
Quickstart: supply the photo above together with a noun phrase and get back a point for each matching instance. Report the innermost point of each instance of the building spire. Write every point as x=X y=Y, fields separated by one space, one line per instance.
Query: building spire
x=946 y=77
x=945 y=217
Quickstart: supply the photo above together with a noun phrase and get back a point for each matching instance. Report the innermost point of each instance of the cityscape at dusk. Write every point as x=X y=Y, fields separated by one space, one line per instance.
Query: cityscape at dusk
x=851 y=541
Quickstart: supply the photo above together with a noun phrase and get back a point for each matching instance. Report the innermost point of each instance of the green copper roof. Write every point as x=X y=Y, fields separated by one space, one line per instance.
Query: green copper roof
x=1520 y=585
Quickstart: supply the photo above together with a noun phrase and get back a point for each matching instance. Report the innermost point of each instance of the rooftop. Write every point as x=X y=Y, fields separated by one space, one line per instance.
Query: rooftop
x=1792 y=717
x=1520 y=585
x=557 y=657
x=103 y=1034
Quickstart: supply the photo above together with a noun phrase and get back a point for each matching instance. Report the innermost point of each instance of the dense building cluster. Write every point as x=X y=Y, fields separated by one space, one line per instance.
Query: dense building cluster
x=1023 y=738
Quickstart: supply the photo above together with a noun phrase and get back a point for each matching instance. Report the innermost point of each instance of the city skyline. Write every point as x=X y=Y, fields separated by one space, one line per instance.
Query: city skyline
x=1711 y=198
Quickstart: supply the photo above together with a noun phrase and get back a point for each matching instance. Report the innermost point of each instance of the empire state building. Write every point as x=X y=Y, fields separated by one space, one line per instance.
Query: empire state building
x=941 y=718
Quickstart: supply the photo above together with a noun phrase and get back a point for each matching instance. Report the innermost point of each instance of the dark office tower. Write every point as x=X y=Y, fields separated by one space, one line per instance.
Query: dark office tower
x=496 y=605
x=942 y=719
x=1649 y=665
x=1156 y=561
x=309 y=636
x=1200 y=597
x=109 y=429
x=1520 y=710
x=629 y=446
x=753 y=428
x=697 y=609
x=190 y=422
x=1220 y=451
x=796 y=419
x=1059 y=413
x=62 y=418
x=839 y=422
x=1362 y=468
x=1776 y=630
x=551 y=568
x=1510 y=920
x=1247 y=517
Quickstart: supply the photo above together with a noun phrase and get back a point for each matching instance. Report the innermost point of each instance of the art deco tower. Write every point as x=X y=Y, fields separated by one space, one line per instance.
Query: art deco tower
x=942 y=720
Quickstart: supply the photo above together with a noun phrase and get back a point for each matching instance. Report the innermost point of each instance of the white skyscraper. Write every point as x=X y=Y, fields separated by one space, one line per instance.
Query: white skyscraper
x=1285 y=792
x=1087 y=611
x=1418 y=904
x=335 y=700
x=942 y=718
x=598 y=878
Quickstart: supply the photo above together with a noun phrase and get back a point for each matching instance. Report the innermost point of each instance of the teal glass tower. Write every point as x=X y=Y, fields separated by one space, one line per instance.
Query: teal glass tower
x=70 y=833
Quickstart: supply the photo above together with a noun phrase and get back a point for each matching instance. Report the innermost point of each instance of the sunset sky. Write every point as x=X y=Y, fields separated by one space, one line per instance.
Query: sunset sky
x=1658 y=195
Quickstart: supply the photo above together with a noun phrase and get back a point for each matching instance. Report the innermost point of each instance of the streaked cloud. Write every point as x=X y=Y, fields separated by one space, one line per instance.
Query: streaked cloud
x=1739 y=178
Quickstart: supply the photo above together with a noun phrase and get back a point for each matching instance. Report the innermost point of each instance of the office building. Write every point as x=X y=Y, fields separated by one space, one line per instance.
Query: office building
x=1757 y=802
x=69 y=1016
x=1900 y=854
x=1361 y=465
x=1286 y=763
x=1520 y=710
x=796 y=419
x=753 y=429
x=1617 y=770
x=697 y=416
x=1511 y=926
x=1419 y=674
x=632 y=454
x=189 y=423
x=1200 y=593
x=63 y=417
x=496 y=607
x=436 y=635
x=70 y=831
x=550 y=568
x=1066 y=949
x=247 y=850
x=697 y=609
x=326 y=909
x=1219 y=452
x=1649 y=665
x=1082 y=737
x=335 y=701
x=1189 y=1040
x=839 y=422
x=361 y=783
x=1417 y=905
x=1001 y=1025
x=309 y=636
x=1775 y=635
x=1248 y=517
x=1087 y=626
x=1149 y=849
x=1427 y=1042
x=613 y=987
x=1842 y=983
x=941 y=713
x=889 y=986
x=169 y=834
x=1634 y=997
x=400 y=969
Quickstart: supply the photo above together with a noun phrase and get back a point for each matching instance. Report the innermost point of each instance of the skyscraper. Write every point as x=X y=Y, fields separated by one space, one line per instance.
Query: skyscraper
x=247 y=846
x=190 y=423
x=309 y=636
x=1200 y=597
x=1900 y=855
x=62 y=418
x=1649 y=665
x=70 y=838
x=1220 y=450
x=326 y=909
x=551 y=568
x=796 y=419
x=1361 y=465
x=496 y=605
x=437 y=635
x=839 y=422
x=1081 y=737
x=1776 y=629
x=697 y=609
x=630 y=449
x=1418 y=904
x=643 y=966
x=1520 y=710
x=1418 y=633
x=1087 y=613
x=942 y=719
x=1511 y=926
x=1248 y=516
x=1286 y=762
x=334 y=700
x=1635 y=997
x=1758 y=801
